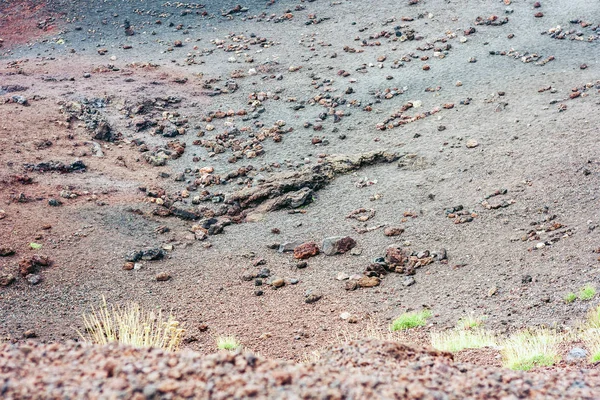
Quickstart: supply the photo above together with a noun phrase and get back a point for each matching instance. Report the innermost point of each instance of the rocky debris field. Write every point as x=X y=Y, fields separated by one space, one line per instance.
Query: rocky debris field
x=285 y=171
x=359 y=369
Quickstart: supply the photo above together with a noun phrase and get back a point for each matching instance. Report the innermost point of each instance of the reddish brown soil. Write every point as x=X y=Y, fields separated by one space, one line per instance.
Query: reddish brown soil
x=360 y=369
x=25 y=21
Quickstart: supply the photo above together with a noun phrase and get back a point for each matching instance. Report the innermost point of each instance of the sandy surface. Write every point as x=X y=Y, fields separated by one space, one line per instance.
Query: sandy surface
x=546 y=159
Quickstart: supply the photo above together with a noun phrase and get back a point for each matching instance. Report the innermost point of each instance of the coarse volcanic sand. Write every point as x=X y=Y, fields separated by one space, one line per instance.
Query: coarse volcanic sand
x=524 y=118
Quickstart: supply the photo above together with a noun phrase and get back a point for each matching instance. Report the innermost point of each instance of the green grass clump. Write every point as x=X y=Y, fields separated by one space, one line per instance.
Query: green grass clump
x=587 y=292
x=410 y=320
x=460 y=339
x=571 y=297
x=531 y=348
x=227 y=343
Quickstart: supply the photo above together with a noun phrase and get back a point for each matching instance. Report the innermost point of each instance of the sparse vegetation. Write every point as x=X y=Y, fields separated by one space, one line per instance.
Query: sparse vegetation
x=460 y=339
x=591 y=338
x=131 y=325
x=468 y=334
x=410 y=320
x=593 y=318
x=571 y=297
x=470 y=322
x=531 y=348
x=227 y=343
x=587 y=292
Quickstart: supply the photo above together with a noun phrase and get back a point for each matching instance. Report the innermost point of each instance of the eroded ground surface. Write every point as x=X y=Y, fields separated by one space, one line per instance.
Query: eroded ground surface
x=212 y=132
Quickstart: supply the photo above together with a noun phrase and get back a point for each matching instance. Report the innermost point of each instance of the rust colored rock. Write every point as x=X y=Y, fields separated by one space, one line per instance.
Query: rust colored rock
x=128 y=266
x=395 y=256
x=177 y=43
x=393 y=231
x=368 y=281
x=30 y=265
x=306 y=250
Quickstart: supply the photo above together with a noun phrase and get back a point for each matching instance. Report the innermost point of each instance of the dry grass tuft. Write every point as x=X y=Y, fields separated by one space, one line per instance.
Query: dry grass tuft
x=131 y=325
x=459 y=339
x=531 y=348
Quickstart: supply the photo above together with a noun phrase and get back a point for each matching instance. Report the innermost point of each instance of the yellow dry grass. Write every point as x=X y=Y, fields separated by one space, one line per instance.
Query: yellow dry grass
x=131 y=325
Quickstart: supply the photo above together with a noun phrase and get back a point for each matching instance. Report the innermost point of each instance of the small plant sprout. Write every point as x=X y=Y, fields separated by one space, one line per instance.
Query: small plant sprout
x=587 y=292
x=531 y=348
x=571 y=297
x=410 y=320
x=227 y=343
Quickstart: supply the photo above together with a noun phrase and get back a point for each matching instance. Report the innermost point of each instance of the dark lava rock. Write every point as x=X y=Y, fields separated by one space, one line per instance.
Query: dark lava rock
x=338 y=245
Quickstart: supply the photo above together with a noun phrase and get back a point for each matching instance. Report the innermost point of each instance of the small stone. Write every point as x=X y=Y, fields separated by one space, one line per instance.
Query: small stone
x=302 y=265
x=356 y=251
x=540 y=245
x=312 y=298
x=345 y=315
x=258 y=282
x=351 y=285
x=54 y=203
x=408 y=281
x=342 y=276
x=6 y=251
x=577 y=353
x=128 y=266
x=368 y=281
x=393 y=231
x=264 y=273
x=33 y=279
x=338 y=245
x=29 y=334
x=306 y=250
x=163 y=276
x=278 y=282
x=294 y=281
x=289 y=246
x=6 y=279
x=258 y=292
x=526 y=279
x=472 y=143
x=493 y=290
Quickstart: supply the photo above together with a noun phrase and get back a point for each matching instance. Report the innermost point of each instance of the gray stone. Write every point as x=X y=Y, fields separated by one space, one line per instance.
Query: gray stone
x=33 y=279
x=576 y=353
x=289 y=246
x=409 y=281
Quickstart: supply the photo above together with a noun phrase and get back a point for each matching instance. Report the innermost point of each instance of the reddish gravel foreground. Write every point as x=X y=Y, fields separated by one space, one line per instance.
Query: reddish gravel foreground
x=357 y=370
